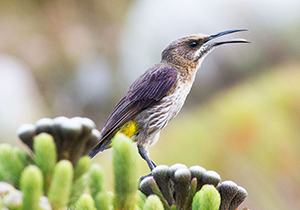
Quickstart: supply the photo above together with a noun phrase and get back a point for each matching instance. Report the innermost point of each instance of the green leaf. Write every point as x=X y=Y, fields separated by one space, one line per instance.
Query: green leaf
x=125 y=176
x=173 y=207
x=192 y=192
x=23 y=158
x=141 y=199
x=85 y=202
x=45 y=156
x=78 y=187
x=97 y=180
x=208 y=198
x=32 y=187
x=61 y=183
x=80 y=179
x=12 y=163
x=102 y=201
x=82 y=166
x=153 y=203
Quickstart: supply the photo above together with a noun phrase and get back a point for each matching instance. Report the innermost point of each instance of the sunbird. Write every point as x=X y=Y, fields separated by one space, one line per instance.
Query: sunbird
x=158 y=95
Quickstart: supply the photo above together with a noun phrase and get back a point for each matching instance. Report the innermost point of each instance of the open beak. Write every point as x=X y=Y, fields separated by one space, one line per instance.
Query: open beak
x=214 y=44
x=207 y=47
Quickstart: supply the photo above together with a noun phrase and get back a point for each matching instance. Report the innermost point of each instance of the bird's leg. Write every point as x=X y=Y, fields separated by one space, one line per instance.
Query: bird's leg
x=144 y=155
x=153 y=164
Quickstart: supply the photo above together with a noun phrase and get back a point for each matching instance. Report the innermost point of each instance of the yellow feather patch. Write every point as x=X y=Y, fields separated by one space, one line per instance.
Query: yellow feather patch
x=129 y=129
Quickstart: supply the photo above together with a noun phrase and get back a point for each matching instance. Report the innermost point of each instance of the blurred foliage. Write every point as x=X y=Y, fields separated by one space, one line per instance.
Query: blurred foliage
x=211 y=197
x=60 y=39
x=55 y=37
x=67 y=185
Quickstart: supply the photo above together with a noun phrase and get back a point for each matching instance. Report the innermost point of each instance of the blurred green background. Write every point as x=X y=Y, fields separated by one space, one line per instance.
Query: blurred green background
x=241 y=119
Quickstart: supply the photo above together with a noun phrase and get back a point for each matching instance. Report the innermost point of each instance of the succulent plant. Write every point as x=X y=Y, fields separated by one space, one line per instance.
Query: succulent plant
x=177 y=186
x=74 y=137
x=57 y=175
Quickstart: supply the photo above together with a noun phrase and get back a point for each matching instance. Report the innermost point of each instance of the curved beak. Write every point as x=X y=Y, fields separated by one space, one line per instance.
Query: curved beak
x=213 y=36
x=206 y=48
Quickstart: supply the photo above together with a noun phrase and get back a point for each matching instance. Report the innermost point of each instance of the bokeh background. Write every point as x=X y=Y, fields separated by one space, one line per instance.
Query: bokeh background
x=241 y=119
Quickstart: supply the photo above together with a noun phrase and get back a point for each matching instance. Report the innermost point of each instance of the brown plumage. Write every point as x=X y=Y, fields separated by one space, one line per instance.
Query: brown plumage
x=158 y=95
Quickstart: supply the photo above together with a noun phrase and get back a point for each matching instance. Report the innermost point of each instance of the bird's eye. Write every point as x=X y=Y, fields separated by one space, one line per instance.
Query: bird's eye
x=193 y=44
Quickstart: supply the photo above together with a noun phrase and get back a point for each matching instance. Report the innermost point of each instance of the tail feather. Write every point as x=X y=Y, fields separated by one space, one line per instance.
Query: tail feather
x=130 y=129
x=100 y=147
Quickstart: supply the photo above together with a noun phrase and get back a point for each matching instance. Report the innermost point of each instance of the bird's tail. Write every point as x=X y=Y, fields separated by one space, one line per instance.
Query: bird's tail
x=100 y=147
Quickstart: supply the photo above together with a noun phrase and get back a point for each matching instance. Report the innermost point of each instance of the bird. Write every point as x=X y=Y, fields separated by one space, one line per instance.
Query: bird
x=158 y=95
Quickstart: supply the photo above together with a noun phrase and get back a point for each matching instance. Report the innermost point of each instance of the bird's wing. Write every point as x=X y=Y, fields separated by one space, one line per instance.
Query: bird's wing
x=149 y=88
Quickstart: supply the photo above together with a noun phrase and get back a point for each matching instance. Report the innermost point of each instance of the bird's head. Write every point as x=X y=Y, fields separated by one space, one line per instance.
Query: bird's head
x=189 y=51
